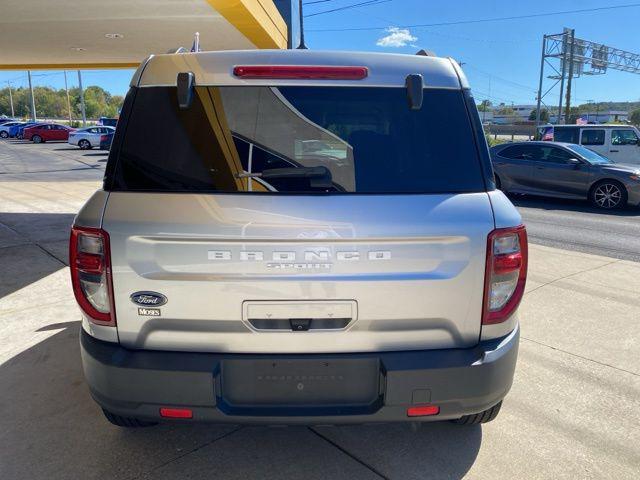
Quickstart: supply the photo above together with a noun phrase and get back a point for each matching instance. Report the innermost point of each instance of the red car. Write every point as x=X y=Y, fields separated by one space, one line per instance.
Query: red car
x=44 y=132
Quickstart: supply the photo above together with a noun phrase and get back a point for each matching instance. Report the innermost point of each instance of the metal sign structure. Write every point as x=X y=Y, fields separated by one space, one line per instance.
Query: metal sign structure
x=576 y=57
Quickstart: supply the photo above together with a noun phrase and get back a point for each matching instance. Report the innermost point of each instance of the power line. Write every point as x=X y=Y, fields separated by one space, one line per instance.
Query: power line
x=346 y=7
x=482 y=20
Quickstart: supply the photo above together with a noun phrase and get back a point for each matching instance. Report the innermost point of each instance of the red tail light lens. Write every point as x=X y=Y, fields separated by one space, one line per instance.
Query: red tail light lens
x=103 y=138
x=301 y=72
x=506 y=273
x=90 y=265
x=176 y=413
x=423 y=411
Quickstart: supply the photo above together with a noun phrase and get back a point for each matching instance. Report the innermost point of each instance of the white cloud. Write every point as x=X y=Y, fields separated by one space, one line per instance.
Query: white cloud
x=396 y=37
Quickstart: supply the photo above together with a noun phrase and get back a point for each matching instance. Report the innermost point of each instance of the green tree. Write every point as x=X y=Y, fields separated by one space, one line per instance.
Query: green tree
x=484 y=106
x=634 y=117
x=544 y=115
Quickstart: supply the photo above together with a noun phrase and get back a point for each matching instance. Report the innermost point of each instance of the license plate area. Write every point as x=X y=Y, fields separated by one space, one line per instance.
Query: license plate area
x=294 y=386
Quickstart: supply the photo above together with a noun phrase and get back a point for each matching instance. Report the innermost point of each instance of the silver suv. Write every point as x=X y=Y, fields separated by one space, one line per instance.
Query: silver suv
x=298 y=237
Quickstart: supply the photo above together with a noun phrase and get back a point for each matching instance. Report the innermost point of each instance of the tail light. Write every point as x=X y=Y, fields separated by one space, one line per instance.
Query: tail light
x=301 y=72
x=103 y=138
x=90 y=264
x=506 y=273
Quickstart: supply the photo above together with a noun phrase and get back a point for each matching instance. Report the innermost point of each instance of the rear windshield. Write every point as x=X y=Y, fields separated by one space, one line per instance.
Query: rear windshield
x=298 y=140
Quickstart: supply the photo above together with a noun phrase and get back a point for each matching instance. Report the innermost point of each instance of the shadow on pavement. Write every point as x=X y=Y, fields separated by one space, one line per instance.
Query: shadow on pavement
x=51 y=428
x=34 y=246
x=569 y=205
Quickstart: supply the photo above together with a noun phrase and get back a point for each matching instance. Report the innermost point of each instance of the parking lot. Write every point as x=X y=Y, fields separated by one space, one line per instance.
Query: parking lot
x=572 y=412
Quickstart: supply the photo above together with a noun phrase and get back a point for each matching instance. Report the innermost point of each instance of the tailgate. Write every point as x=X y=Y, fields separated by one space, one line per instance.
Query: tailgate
x=298 y=274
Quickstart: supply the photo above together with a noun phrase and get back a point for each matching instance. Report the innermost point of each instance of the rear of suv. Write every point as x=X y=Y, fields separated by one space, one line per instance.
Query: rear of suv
x=298 y=237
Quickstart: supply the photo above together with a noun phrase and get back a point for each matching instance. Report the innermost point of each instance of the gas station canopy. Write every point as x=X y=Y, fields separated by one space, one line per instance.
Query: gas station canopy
x=41 y=34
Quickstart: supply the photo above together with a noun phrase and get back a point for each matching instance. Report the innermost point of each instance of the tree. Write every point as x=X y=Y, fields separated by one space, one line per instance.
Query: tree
x=634 y=117
x=484 y=106
x=504 y=110
x=544 y=115
x=52 y=103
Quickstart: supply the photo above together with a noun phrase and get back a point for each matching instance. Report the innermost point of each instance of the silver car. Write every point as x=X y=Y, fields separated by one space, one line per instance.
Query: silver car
x=565 y=170
x=299 y=239
x=87 y=138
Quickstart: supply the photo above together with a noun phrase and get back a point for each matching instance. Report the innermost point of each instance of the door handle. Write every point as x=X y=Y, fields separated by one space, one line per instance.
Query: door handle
x=541 y=168
x=614 y=151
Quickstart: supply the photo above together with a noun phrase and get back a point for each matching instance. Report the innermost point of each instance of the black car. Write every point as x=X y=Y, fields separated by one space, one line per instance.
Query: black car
x=565 y=170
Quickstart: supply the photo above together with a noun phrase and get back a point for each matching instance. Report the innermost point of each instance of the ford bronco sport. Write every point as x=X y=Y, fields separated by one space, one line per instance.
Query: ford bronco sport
x=298 y=237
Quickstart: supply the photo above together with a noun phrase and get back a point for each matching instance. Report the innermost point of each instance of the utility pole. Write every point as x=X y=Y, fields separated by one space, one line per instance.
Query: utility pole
x=544 y=49
x=564 y=73
x=84 y=114
x=66 y=87
x=11 y=99
x=33 y=102
x=302 y=46
x=567 y=108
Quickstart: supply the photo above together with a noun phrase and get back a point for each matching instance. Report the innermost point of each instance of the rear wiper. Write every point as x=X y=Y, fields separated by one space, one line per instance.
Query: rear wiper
x=319 y=177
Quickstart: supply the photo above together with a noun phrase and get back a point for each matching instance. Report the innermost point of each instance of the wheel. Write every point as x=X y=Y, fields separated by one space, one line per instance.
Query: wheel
x=36 y=139
x=84 y=144
x=608 y=194
x=478 y=418
x=4 y=134
x=126 y=422
x=19 y=136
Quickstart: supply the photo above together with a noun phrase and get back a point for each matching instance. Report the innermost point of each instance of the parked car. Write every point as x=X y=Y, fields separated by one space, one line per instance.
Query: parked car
x=20 y=129
x=87 y=138
x=44 y=132
x=223 y=277
x=4 y=120
x=106 y=139
x=565 y=170
x=620 y=143
x=5 y=128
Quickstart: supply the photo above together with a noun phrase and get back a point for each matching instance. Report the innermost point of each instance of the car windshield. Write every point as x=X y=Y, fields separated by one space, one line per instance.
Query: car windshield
x=299 y=140
x=590 y=156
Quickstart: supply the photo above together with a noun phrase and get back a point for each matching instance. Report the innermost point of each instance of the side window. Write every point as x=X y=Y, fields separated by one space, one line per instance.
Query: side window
x=592 y=136
x=624 y=137
x=554 y=155
x=516 y=152
x=566 y=134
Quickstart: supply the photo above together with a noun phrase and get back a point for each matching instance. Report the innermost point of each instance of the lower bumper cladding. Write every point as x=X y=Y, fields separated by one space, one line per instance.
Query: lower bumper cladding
x=315 y=389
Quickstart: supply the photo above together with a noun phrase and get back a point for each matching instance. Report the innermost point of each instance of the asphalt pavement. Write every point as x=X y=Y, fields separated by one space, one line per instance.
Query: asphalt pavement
x=572 y=412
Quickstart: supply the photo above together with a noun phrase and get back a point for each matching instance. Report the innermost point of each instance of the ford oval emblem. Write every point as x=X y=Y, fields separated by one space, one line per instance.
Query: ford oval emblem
x=148 y=299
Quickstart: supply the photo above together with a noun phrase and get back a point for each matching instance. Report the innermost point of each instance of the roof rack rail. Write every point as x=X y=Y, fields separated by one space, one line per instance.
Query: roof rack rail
x=178 y=50
x=426 y=53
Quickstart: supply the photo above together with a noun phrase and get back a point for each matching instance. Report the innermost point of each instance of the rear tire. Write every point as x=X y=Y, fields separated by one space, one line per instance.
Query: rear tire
x=84 y=145
x=478 y=418
x=126 y=422
x=4 y=134
x=36 y=139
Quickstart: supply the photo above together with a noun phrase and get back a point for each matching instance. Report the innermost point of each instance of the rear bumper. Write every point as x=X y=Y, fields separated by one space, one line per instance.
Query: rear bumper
x=459 y=381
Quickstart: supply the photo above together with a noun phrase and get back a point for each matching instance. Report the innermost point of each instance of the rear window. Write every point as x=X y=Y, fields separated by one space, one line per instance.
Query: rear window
x=566 y=134
x=298 y=140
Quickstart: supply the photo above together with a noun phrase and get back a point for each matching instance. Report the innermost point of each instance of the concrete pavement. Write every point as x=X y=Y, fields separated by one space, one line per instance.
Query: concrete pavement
x=572 y=412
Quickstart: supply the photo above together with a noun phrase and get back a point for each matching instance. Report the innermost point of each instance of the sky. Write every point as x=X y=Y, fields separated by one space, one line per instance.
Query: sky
x=500 y=58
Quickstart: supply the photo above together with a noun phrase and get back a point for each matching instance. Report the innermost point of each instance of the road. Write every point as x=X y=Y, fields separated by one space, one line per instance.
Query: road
x=578 y=226
x=572 y=412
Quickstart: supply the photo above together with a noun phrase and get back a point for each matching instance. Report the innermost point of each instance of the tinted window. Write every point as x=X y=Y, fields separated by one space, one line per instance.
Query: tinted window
x=592 y=137
x=298 y=139
x=624 y=137
x=566 y=134
x=519 y=152
x=552 y=155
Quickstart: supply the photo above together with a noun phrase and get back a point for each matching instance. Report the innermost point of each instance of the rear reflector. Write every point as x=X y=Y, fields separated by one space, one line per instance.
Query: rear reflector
x=423 y=411
x=176 y=413
x=300 y=71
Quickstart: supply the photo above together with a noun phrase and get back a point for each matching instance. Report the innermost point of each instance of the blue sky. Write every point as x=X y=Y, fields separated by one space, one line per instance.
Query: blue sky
x=502 y=58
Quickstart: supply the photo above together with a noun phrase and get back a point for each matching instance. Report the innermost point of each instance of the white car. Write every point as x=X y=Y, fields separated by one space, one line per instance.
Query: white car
x=4 y=128
x=87 y=138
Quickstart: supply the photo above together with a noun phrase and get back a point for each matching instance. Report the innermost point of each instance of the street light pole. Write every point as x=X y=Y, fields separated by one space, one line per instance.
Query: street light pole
x=66 y=87
x=84 y=114
x=33 y=102
x=11 y=99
